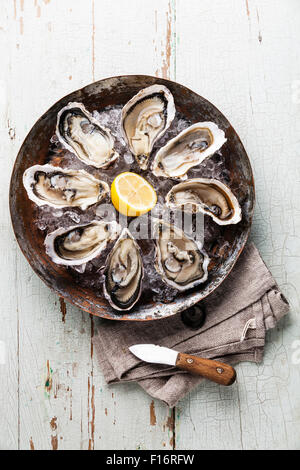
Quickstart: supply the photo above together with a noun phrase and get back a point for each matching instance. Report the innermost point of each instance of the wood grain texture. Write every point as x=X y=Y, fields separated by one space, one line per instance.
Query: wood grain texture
x=243 y=57
x=215 y=371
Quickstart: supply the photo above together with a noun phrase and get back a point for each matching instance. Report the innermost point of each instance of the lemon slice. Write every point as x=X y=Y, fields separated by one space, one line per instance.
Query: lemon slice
x=132 y=195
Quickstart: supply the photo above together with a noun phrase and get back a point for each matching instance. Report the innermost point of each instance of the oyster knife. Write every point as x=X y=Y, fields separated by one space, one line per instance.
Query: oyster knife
x=215 y=371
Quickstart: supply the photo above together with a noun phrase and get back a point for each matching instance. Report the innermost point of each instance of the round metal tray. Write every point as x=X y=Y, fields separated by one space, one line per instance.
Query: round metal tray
x=111 y=91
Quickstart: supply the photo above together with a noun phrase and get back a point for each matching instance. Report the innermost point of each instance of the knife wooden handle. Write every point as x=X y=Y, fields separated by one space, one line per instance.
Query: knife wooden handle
x=216 y=371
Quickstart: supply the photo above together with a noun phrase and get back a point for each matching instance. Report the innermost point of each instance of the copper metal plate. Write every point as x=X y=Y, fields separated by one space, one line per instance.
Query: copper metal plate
x=118 y=90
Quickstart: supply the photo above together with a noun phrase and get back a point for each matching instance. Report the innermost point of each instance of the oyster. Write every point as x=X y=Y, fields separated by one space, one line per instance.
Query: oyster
x=58 y=187
x=179 y=260
x=206 y=195
x=188 y=149
x=82 y=134
x=145 y=118
x=124 y=273
x=79 y=244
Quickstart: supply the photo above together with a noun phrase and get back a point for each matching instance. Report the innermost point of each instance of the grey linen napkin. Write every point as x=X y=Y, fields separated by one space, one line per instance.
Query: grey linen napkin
x=238 y=314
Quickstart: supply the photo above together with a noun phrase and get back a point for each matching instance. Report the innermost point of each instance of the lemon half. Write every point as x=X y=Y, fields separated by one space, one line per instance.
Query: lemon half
x=132 y=195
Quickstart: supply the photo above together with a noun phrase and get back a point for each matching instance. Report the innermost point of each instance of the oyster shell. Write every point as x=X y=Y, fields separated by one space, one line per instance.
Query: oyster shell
x=188 y=149
x=79 y=244
x=124 y=273
x=58 y=187
x=178 y=259
x=145 y=118
x=82 y=134
x=206 y=195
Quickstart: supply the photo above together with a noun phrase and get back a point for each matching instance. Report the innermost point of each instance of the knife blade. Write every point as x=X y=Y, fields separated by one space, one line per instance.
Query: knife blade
x=154 y=353
x=215 y=371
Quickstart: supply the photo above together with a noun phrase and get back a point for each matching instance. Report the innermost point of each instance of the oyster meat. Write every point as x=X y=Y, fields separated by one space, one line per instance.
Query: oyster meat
x=179 y=260
x=206 y=195
x=79 y=244
x=82 y=134
x=188 y=149
x=124 y=273
x=58 y=187
x=145 y=118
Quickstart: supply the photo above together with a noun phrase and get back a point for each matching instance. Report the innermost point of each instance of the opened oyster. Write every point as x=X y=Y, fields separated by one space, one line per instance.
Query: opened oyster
x=82 y=134
x=145 y=118
x=206 y=195
x=79 y=244
x=58 y=187
x=124 y=273
x=188 y=149
x=179 y=260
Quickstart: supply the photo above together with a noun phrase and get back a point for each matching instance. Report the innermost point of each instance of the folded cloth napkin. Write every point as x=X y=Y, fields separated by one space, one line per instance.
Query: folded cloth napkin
x=238 y=314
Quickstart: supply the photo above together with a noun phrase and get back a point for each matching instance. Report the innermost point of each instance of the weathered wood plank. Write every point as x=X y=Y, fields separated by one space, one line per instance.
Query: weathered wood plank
x=9 y=338
x=247 y=66
x=54 y=356
x=133 y=38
